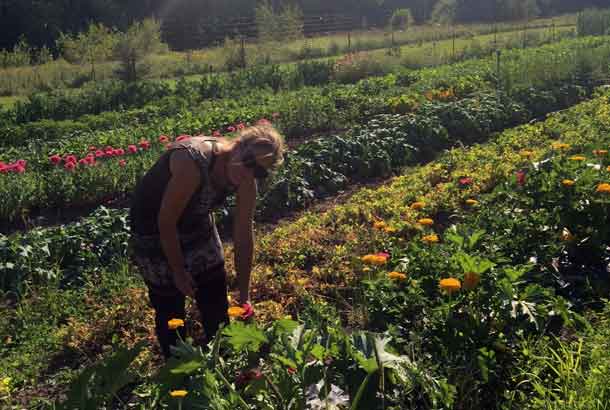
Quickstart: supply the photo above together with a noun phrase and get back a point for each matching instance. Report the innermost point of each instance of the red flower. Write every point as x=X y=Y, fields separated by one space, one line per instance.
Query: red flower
x=216 y=134
x=247 y=376
x=521 y=178
x=99 y=154
x=70 y=158
x=182 y=138
x=18 y=169
x=22 y=162
x=465 y=181
x=122 y=163
x=291 y=370
x=163 y=139
x=119 y=152
x=241 y=126
x=231 y=129
x=55 y=159
x=132 y=149
x=144 y=144
x=110 y=152
x=69 y=166
x=108 y=148
x=248 y=311
x=383 y=254
x=83 y=161
x=4 y=168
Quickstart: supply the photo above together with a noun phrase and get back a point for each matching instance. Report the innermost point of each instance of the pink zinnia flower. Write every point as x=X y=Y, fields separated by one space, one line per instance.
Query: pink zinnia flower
x=122 y=163
x=69 y=166
x=465 y=181
x=99 y=154
x=182 y=138
x=163 y=139
x=144 y=144
x=521 y=178
x=383 y=254
x=241 y=126
x=83 y=161
x=231 y=129
x=132 y=149
x=70 y=158
x=55 y=159
x=22 y=162
x=120 y=152
x=18 y=169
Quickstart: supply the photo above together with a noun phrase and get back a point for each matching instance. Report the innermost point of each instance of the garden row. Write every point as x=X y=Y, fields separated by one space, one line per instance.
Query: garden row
x=463 y=265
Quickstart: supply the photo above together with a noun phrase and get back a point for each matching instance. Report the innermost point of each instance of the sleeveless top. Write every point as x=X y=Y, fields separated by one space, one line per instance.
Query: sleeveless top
x=196 y=224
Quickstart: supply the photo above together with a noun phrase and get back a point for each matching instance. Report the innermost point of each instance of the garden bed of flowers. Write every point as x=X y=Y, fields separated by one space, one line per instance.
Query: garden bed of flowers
x=462 y=276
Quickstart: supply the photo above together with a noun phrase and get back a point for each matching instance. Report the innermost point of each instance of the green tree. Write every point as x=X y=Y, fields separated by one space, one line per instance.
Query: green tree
x=444 y=12
x=401 y=19
x=92 y=46
x=273 y=26
x=141 y=39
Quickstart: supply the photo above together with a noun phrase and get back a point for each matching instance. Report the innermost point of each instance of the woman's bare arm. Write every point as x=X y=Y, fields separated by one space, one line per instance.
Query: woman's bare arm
x=243 y=237
x=185 y=178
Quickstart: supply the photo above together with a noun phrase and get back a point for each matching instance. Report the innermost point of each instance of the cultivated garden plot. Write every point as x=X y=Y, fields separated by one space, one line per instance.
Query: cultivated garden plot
x=465 y=283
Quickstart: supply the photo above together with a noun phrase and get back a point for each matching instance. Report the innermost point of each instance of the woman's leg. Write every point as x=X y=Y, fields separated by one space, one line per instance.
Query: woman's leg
x=211 y=297
x=168 y=304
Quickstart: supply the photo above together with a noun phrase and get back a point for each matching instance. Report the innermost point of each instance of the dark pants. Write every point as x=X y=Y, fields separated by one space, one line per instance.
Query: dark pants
x=211 y=298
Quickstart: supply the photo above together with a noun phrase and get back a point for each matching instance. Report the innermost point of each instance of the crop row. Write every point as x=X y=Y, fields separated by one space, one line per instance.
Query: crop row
x=457 y=263
x=191 y=111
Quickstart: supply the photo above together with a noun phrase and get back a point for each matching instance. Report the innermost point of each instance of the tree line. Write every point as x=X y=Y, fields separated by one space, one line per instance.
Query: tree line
x=42 y=22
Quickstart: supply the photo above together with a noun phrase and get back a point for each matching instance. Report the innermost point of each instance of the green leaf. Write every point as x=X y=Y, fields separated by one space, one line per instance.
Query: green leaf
x=244 y=337
x=187 y=367
x=286 y=325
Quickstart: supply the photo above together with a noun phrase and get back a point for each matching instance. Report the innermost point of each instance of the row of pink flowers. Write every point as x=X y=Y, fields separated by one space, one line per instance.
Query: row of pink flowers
x=17 y=167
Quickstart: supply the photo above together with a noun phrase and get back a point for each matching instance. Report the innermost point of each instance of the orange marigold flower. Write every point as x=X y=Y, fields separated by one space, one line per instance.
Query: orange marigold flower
x=236 y=311
x=471 y=280
x=417 y=205
x=450 y=285
x=568 y=182
x=560 y=146
x=600 y=152
x=433 y=238
x=376 y=259
x=608 y=169
x=174 y=324
x=178 y=393
x=397 y=276
x=379 y=224
x=577 y=158
x=389 y=229
x=472 y=202
x=426 y=222
x=603 y=188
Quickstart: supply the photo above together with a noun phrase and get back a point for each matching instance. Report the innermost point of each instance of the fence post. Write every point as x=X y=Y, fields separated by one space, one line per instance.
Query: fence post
x=349 y=41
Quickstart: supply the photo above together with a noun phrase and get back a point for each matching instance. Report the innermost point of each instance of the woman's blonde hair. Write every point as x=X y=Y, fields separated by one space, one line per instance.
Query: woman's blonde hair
x=263 y=141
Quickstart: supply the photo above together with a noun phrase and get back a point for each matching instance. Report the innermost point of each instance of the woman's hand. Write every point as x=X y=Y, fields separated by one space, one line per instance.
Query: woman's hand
x=185 y=283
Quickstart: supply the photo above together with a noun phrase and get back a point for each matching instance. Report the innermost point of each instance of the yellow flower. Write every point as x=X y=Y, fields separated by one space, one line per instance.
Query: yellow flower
x=175 y=324
x=603 y=188
x=450 y=285
x=566 y=235
x=577 y=158
x=426 y=222
x=526 y=153
x=560 y=146
x=379 y=224
x=472 y=202
x=377 y=259
x=288 y=317
x=568 y=182
x=390 y=229
x=471 y=280
x=433 y=238
x=302 y=281
x=397 y=276
x=608 y=169
x=417 y=205
x=178 y=393
x=236 y=311
x=600 y=152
